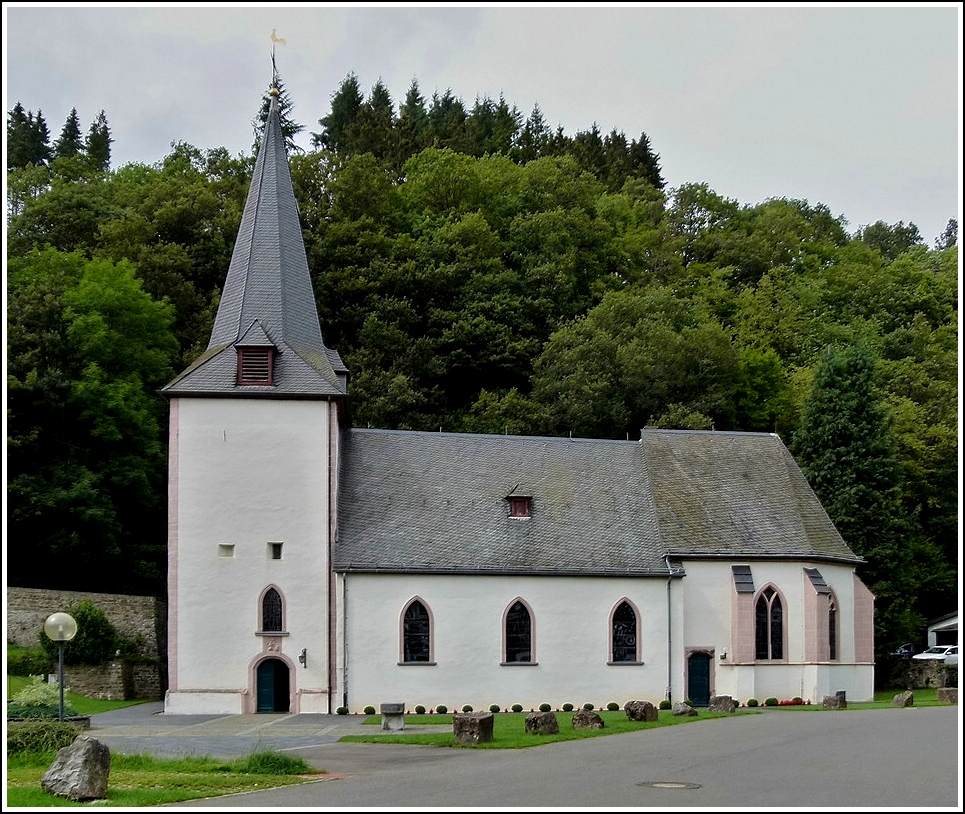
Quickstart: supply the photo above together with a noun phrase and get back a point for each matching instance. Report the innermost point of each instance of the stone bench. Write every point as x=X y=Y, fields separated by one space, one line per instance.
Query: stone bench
x=393 y=716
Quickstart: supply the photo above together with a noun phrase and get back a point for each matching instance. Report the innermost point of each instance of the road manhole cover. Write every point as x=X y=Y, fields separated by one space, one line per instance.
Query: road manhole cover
x=668 y=784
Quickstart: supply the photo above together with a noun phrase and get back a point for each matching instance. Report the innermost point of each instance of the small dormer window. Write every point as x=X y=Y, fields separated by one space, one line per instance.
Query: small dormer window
x=256 y=366
x=519 y=506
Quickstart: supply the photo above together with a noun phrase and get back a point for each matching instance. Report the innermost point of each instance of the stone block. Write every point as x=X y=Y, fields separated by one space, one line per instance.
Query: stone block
x=472 y=727
x=903 y=699
x=587 y=719
x=682 y=709
x=80 y=771
x=721 y=703
x=542 y=723
x=393 y=716
x=640 y=711
x=948 y=695
x=834 y=702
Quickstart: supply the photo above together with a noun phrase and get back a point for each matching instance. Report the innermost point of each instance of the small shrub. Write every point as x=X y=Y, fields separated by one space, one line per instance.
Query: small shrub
x=38 y=693
x=494 y=707
x=770 y=702
x=467 y=708
x=420 y=710
x=342 y=711
x=665 y=704
x=277 y=763
x=545 y=707
x=567 y=707
x=517 y=707
x=442 y=709
x=613 y=706
x=797 y=699
x=588 y=706
x=39 y=737
x=28 y=661
x=752 y=702
x=95 y=642
x=369 y=710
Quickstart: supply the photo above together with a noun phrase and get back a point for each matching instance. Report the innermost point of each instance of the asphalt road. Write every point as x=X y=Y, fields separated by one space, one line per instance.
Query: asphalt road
x=907 y=758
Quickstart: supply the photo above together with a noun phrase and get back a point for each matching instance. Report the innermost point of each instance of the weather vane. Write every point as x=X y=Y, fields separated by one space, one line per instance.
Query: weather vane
x=274 y=71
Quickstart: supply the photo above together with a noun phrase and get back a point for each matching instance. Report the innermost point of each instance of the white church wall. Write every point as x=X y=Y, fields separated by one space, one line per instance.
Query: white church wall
x=249 y=472
x=707 y=591
x=571 y=623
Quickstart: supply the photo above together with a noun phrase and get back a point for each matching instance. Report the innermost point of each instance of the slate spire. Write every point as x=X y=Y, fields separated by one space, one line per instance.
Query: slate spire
x=267 y=300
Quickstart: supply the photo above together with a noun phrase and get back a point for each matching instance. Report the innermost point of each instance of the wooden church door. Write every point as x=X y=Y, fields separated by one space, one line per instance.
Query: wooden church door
x=698 y=679
x=272 y=688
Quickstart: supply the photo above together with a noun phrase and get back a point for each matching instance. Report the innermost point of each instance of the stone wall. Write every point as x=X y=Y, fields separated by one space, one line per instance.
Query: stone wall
x=115 y=681
x=132 y=616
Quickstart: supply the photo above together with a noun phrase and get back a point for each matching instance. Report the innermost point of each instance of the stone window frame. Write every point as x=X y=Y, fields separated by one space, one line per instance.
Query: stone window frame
x=263 y=598
x=773 y=598
x=611 y=630
x=516 y=662
x=403 y=650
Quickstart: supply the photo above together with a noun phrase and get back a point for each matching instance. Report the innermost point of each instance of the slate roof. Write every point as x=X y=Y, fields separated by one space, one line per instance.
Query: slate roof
x=267 y=295
x=436 y=503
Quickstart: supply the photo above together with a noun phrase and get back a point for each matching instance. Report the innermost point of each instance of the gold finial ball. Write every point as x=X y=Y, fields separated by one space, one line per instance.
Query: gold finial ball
x=274 y=91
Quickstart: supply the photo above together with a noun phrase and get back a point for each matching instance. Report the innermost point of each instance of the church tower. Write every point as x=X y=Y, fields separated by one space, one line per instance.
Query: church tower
x=254 y=454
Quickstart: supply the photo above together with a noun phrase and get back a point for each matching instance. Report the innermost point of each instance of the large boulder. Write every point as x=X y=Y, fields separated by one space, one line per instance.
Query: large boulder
x=80 y=771
x=681 y=709
x=948 y=695
x=472 y=727
x=834 y=702
x=640 y=711
x=587 y=719
x=542 y=723
x=721 y=703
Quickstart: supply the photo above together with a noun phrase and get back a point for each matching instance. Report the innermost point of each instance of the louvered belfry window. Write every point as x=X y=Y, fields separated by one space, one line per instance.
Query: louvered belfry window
x=256 y=366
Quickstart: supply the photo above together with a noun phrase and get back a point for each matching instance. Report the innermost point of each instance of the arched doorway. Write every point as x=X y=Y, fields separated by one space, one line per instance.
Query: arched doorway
x=698 y=679
x=272 y=692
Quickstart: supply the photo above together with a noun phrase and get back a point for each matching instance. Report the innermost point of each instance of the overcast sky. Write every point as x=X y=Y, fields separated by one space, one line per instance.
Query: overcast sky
x=855 y=107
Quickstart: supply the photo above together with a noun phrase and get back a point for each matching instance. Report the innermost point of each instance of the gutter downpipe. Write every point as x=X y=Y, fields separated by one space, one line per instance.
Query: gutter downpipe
x=669 y=636
x=345 y=640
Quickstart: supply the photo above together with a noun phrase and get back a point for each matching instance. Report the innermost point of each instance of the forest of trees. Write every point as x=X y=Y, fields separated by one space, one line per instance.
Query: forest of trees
x=478 y=272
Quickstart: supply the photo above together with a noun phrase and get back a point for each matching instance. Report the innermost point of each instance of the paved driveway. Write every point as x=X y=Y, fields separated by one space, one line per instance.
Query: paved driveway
x=892 y=758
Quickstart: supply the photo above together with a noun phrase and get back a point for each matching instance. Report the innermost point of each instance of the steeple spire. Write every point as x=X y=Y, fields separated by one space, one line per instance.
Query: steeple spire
x=267 y=302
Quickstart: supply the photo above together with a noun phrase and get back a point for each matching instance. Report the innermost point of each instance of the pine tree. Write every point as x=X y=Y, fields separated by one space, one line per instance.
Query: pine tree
x=645 y=162
x=98 y=144
x=848 y=453
x=412 y=124
x=28 y=139
x=289 y=127
x=949 y=237
x=70 y=142
x=346 y=102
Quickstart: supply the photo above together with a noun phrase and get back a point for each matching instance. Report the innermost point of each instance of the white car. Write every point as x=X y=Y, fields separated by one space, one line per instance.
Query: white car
x=951 y=657
x=937 y=653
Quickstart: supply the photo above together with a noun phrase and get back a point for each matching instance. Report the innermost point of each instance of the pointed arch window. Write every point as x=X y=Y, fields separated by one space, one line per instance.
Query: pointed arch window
x=769 y=626
x=416 y=634
x=623 y=632
x=832 y=629
x=518 y=634
x=271 y=612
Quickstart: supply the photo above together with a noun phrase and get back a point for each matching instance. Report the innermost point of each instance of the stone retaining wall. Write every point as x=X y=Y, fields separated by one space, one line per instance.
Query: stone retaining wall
x=132 y=616
x=115 y=681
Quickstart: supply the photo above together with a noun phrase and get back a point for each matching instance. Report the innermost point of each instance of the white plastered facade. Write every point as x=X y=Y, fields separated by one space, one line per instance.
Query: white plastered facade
x=246 y=474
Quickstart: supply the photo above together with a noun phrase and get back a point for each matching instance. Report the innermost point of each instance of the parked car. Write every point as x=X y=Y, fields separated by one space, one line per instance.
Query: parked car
x=951 y=655
x=906 y=651
x=936 y=653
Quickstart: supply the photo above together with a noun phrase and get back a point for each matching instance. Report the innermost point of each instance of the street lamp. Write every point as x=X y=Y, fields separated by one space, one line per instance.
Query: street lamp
x=61 y=628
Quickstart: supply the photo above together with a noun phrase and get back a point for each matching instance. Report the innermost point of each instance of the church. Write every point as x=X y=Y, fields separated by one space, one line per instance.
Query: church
x=313 y=565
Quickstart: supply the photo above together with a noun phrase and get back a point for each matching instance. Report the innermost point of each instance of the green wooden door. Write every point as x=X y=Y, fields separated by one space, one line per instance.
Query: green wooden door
x=272 y=677
x=698 y=679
